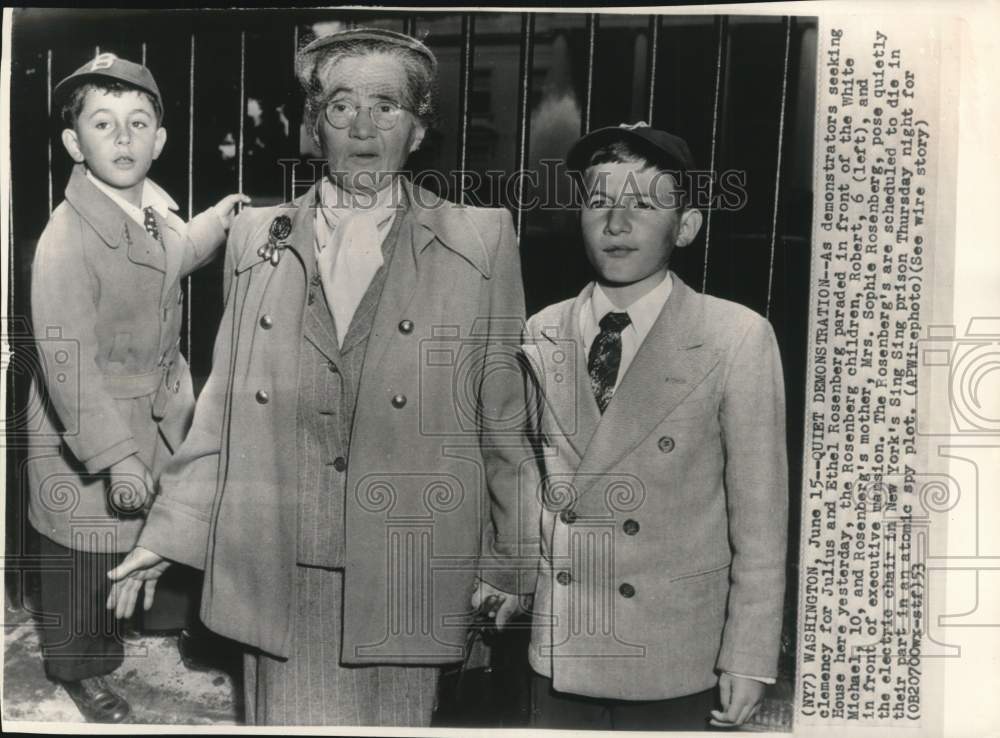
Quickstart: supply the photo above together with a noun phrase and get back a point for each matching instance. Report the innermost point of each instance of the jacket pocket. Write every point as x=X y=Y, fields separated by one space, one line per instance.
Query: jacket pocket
x=702 y=572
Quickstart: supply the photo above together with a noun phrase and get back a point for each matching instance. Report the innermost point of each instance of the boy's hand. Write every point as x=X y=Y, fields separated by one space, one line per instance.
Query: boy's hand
x=226 y=208
x=740 y=697
x=141 y=568
x=130 y=485
x=497 y=603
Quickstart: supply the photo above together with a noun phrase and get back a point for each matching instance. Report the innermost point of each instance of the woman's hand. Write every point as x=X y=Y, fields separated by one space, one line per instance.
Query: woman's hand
x=140 y=569
x=499 y=605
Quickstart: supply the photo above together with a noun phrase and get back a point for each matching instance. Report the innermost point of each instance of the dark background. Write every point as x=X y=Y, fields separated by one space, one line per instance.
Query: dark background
x=516 y=88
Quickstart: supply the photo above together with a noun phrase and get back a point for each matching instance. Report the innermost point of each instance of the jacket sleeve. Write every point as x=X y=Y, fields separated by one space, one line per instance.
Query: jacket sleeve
x=511 y=540
x=756 y=479
x=205 y=234
x=64 y=293
x=178 y=523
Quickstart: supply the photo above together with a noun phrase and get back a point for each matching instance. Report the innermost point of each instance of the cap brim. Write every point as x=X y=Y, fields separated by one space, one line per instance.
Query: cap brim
x=579 y=153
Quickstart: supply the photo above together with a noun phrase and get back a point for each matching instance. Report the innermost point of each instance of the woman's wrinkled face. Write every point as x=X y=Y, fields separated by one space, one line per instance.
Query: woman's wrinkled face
x=362 y=156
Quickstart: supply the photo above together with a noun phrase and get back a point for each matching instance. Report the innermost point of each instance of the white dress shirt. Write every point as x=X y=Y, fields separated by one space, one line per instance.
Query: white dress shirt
x=359 y=232
x=152 y=196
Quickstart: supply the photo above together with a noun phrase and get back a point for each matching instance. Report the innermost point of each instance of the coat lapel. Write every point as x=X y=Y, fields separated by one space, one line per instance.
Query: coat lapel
x=318 y=327
x=565 y=383
x=428 y=219
x=670 y=363
x=112 y=224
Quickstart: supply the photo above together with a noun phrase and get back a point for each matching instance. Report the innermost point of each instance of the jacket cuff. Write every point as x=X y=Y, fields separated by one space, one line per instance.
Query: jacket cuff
x=508 y=574
x=111 y=456
x=176 y=533
x=206 y=230
x=762 y=680
x=753 y=665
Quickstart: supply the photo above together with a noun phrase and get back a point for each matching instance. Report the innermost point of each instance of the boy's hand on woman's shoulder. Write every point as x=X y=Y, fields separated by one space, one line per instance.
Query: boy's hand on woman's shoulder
x=130 y=485
x=226 y=208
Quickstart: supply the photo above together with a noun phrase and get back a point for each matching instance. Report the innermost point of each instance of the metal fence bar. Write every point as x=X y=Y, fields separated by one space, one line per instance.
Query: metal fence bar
x=777 y=169
x=654 y=42
x=722 y=25
x=523 y=109
x=466 y=61
x=588 y=100
x=189 y=298
x=48 y=113
x=243 y=107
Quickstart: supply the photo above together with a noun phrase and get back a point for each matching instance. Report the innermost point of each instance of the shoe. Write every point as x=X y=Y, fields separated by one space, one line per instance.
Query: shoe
x=98 y=703
x=194 y=652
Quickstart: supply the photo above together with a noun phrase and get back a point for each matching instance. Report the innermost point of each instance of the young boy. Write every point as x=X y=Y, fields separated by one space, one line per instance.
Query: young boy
x=660 y=586
x=106 y=307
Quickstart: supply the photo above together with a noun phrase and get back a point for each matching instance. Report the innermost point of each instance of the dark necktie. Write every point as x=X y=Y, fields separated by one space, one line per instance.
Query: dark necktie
x=606 y=357
x=149 y=221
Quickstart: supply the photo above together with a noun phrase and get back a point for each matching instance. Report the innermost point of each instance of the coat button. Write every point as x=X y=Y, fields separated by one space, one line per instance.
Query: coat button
x=262 y=397
x=626 y=590
x=340 y=463
x=398 y=401
x=406 y=326
x=177 y=386
x=568 y=516
x=332 y=367
x=666 y=444
x=564 y=577
x=266 y=322
x=631 y=527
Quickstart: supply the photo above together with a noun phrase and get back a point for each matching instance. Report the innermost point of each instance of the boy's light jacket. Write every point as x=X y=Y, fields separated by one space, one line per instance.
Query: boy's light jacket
x=664 y=520
x=106 y=309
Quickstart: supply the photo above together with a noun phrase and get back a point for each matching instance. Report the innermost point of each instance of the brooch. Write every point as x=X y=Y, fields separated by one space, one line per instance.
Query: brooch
x=281 y=228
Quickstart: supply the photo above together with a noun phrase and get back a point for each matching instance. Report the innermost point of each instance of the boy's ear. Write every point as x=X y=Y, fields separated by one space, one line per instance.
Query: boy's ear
x=72 y=145
x=689 y=227
x=161 y=139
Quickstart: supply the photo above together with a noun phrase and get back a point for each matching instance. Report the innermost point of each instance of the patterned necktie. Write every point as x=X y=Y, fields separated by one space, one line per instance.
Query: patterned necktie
x=606 y=357
x=149 y=221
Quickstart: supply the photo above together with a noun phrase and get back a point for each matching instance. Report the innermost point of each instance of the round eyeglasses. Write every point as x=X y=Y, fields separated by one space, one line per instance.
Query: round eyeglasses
x=384 y=114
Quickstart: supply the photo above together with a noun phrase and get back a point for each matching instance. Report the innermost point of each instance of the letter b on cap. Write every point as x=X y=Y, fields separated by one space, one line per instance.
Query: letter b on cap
x=103 y=61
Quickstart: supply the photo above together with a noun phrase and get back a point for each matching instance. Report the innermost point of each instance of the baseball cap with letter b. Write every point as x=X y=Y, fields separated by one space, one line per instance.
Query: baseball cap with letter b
x=109 y=67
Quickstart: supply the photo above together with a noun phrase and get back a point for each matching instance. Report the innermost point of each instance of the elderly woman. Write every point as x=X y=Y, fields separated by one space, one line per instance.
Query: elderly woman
x=356 y=459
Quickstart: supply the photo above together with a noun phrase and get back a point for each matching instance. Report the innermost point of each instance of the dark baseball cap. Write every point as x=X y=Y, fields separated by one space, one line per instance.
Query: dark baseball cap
x=107 y=66
x=673 y=149
x=371 y=34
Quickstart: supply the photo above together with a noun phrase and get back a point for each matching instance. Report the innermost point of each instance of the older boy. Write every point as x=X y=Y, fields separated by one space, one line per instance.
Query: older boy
x=663 y=526
x=106 y=307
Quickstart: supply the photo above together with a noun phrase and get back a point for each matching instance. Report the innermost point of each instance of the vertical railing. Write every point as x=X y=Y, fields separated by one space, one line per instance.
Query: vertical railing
x=777 y=169
x=588 y=97
x=48 y=114
x=653 y=50
x=722 y=33
x=188 y=292
x=465 y=72
x=523 y=110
